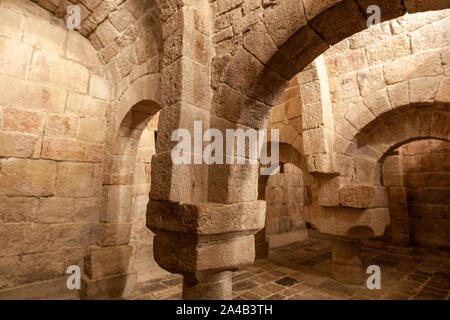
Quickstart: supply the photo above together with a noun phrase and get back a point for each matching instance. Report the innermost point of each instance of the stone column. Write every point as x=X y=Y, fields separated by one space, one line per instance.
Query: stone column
x=216 y=286
x=205 y=243
x=346 y=258
x=261 y=245
x=195 y=238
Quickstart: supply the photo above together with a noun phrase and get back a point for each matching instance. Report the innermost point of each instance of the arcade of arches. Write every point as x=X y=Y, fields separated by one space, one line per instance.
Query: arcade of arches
x=86 y=119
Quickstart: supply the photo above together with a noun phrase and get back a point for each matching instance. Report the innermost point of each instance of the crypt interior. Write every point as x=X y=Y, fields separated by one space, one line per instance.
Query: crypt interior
x=87 y=179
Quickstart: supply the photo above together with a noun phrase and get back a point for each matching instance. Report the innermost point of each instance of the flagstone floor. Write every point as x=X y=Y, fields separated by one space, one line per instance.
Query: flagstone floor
x=301 y=272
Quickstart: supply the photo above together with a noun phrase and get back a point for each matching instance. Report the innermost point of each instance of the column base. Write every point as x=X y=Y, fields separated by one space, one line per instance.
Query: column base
x=114 y=287
x=215 y=287
x=347 y=266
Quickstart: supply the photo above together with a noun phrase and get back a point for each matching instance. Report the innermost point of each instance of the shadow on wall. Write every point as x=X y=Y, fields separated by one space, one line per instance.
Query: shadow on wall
x=286 y=193
x=417 y=177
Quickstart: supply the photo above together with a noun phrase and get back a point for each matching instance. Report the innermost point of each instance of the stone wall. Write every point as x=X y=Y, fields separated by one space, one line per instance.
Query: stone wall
x=418 y=186
x=284 y=207
x=393 y=64
x=62 y=99
x=426 y=167
x=53 y=100
x=398 y=230
x=141 y=236
x=286 y=116
x=73 y=106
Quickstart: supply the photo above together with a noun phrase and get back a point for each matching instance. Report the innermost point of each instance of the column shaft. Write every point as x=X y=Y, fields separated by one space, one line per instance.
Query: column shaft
x=216 y=287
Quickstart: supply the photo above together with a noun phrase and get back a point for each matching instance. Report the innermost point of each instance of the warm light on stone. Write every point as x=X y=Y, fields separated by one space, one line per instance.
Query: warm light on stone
x=87 y=180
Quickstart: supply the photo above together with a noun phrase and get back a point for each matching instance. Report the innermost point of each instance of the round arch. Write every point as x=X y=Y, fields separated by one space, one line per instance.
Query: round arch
x=393 y=129
x=288 y=39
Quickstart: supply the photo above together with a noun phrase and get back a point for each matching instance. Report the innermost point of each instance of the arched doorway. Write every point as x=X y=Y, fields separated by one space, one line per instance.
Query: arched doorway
x=416 y=177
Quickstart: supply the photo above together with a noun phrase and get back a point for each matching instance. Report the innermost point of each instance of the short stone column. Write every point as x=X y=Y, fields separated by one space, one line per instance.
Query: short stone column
x=205 y=242
x=347 y=266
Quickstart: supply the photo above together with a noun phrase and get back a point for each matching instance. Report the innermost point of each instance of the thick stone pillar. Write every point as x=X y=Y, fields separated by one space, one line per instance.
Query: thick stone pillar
x=349 y=214
x=205 y=242
x=346 y=258
x=195 y=238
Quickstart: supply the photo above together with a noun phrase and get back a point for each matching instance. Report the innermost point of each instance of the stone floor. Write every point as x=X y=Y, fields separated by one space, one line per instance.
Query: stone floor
x=301 y=272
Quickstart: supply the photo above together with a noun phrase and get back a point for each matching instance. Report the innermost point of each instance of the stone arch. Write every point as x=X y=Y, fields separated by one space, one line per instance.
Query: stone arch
x=289 y=38
x=379 y=84
x=273 y=50
x=409 y=173
x=288 y=154
x=377 y=140
x=109 y=264
x=355 y=205
x=391 y=130
x=128 y=41
x=358 y=187
x=127 y=36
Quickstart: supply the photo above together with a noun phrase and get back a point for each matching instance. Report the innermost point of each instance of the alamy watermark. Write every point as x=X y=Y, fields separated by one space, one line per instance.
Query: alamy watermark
x=74 y=280
x=375 y=15
x=231 y=150
x=374 y=281
x=73 y=20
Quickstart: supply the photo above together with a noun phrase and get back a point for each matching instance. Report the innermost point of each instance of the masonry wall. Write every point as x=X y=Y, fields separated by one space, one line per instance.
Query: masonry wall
x=393 y=64
x=417 y=179
x=426 y=167
x=284 y=207
x=53 y=99
x=398 y=230
x=286 y=116
x=141 y=236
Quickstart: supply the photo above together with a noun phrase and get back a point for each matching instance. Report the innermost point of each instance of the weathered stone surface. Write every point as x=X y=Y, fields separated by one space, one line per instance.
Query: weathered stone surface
x=72 y=235
x=206 y=219
x=23 y=121
x=108 y=288
x=117 y=203
x=284 y=20
x=356 y=197
x=18 y=145
x=78 y=179
x=75 y=163
x=185 y=257
x=91 y=130
x=61 y=149
x=71 y=76
x=421 y=65
x=334 y=29
x=38 y=96
x=217 y=287
x=104 y=262
x=233 y=183
x=15 y=58
x=60 y=125
x=114 y=234
x=27 y=177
